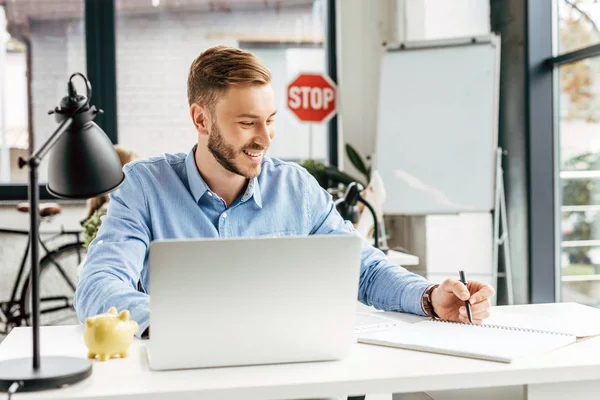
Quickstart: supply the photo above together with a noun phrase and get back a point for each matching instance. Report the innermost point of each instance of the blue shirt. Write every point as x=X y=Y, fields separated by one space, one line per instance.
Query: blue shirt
x=165 y=197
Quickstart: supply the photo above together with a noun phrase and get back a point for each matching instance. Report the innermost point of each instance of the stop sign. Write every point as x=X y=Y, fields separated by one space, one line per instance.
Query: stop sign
x=312 y=97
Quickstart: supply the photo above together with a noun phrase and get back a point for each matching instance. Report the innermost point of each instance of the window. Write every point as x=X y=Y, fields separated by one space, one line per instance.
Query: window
x=43 y=46
x=578 y=24
x=14 y=135
x=157 y=41
x=578 y=123
x=154 y=45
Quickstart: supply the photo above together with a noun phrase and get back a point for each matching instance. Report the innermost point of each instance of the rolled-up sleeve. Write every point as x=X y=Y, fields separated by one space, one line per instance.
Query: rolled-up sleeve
x=382 y=285
x=115 y=258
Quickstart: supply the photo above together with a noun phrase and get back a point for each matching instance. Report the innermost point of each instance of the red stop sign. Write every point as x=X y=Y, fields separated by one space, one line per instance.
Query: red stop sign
x=312 y=97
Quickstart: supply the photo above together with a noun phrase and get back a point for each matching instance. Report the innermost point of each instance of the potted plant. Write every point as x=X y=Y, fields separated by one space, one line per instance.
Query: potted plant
x=330 y=178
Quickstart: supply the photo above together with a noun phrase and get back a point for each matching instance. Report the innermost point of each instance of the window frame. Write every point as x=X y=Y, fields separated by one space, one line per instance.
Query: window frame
x=542 y=153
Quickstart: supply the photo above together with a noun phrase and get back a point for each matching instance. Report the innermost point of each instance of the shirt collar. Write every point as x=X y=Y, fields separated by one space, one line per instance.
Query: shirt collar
x=253 y=190
x=198 y=187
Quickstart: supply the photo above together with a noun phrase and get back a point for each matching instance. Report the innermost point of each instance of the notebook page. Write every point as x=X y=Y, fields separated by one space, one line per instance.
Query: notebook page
x=571 y=318
x=467 y=340
x=372 y=322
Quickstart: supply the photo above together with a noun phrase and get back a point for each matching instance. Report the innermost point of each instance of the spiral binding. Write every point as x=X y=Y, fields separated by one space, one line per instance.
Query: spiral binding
x=506 y=328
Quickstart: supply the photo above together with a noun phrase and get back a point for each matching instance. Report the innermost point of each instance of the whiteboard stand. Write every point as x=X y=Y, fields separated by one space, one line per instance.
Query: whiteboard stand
x=501 y=237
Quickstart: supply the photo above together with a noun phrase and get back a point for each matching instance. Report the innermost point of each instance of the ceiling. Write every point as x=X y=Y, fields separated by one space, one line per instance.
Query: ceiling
x=19 y=12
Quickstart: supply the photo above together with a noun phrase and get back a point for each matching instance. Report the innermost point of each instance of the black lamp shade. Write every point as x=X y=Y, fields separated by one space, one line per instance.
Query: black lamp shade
x=84 y=164
x=347 y=211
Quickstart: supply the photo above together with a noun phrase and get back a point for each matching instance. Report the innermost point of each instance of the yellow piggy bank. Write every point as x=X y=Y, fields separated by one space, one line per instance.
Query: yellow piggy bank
x=109 y=334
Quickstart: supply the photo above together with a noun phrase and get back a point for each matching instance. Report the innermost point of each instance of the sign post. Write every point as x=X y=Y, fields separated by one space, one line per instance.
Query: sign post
x=312 y=98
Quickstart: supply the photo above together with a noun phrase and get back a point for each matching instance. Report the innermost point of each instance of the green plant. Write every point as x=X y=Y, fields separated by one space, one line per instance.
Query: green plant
x=331 y=177
x=90 y=227
x=363 y=166
x=328 y=176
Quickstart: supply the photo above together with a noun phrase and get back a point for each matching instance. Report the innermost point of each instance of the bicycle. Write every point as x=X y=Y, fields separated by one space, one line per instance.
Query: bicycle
x=58 y=277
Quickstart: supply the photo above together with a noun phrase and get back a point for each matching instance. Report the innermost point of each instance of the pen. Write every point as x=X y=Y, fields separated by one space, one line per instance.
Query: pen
x=467 y=304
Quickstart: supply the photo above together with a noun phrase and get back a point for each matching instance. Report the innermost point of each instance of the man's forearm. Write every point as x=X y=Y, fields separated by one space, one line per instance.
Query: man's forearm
x=97 y=293
x=382 y=284
x=391 y=288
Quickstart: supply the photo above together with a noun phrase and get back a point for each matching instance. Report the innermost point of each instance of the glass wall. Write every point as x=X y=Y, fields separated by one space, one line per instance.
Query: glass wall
x=156 y=41
x=578 y=22
x=43 y=42
x=578 y=122
x=41 y=45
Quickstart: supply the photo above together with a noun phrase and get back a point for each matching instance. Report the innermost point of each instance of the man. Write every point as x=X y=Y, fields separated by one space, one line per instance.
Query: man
x=226 y=186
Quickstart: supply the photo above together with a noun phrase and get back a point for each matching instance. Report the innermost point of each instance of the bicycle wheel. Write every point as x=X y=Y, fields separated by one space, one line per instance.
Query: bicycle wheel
x=58 y=280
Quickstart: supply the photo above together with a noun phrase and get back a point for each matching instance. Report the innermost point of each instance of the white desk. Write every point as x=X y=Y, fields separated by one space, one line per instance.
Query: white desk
x=399 y=258
x=572 y=372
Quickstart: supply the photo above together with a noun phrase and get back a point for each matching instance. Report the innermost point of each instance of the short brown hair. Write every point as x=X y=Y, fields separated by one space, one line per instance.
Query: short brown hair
x=218 y=68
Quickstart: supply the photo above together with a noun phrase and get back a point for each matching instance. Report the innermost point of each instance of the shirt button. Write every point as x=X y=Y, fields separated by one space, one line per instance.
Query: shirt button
x=210 y=194
x=224 y=215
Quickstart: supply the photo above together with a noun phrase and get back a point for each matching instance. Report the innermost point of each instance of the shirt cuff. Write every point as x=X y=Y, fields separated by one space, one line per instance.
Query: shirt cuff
x=412 y=298
x=141 y=314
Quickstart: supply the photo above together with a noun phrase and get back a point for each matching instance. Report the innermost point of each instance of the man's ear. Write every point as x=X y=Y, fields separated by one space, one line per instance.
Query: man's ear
x=200 y=117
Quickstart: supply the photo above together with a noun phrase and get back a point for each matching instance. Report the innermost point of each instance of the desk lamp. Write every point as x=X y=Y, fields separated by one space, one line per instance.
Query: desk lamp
x=348 y=209
x=83 y=164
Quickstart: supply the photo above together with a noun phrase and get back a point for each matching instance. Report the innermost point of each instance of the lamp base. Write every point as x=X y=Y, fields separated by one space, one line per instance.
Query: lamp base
x=54 y=372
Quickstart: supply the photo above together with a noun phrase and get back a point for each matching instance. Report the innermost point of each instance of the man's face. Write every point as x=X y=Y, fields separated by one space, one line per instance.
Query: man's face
x=242 y=128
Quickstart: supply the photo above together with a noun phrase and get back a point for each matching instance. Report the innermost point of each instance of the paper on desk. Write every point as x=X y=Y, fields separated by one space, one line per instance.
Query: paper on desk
x=374 y=322
x=570 y=318
x=466 y=340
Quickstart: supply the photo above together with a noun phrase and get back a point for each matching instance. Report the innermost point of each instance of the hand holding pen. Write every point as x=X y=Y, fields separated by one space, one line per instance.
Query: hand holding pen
x=454 y=300
x=463 y=279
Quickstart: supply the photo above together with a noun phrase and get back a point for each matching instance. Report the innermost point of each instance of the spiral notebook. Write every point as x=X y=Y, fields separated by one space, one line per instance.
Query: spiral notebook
x=511 y=333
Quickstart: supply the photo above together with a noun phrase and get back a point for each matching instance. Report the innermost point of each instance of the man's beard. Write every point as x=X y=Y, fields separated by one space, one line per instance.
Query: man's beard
x=225 y=154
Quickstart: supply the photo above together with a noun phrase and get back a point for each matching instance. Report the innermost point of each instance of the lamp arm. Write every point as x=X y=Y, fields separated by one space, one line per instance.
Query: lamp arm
x=375 y=223
x=40 y=153
x=34 y=196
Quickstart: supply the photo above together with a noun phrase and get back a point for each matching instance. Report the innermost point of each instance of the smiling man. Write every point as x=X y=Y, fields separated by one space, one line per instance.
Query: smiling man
x=226 y=186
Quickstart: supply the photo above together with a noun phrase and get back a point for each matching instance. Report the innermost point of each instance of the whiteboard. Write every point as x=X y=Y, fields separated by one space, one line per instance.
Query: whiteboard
x=437 y=126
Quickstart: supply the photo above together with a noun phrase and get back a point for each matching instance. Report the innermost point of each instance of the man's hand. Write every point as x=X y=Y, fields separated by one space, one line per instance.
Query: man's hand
x=448 y=300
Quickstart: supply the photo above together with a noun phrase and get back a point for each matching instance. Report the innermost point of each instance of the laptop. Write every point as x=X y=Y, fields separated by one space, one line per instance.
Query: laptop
x=247 y=301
